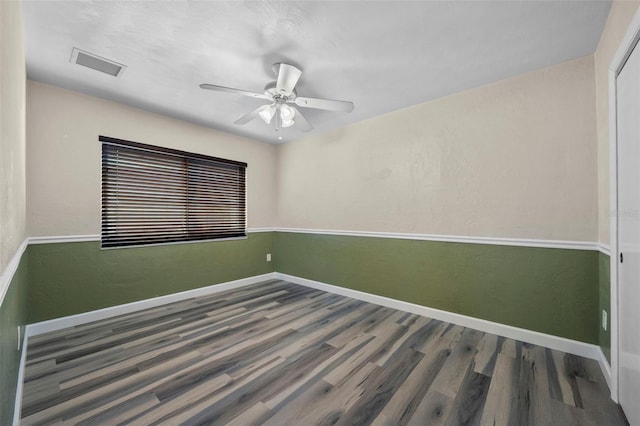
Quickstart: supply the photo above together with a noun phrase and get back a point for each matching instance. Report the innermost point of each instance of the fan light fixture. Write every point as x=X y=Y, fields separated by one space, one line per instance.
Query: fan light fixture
x=267 y=113
x=287 y=114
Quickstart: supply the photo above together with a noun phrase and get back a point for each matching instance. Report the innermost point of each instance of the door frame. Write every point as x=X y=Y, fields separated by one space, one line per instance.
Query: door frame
x=631 y=38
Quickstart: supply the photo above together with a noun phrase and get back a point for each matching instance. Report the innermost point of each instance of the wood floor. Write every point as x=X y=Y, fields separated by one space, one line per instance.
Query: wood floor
x=282 y=354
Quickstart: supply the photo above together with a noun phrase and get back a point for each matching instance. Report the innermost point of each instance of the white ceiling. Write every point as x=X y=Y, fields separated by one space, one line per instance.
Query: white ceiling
x=382 y=55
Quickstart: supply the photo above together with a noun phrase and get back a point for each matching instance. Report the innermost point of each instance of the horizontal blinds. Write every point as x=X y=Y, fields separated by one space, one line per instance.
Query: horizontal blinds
x=156 y=195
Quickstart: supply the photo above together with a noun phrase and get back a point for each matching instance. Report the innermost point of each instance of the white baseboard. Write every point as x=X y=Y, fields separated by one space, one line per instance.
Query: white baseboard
x=605 y=367
x=17 y=408
x=554 y=342
x=73 y=320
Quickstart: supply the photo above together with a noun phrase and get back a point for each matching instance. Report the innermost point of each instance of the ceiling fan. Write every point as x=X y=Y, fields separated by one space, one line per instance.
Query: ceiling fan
x=283 y=100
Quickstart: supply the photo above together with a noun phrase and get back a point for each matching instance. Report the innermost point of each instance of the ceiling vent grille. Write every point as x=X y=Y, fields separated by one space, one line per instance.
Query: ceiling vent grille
x=97 y=63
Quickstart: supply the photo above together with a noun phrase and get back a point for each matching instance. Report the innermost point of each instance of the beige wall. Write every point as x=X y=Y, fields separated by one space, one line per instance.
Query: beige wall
x=12 y=131
x=517 y=158
x=619 y=18
x=63 y=157
x=512 y=159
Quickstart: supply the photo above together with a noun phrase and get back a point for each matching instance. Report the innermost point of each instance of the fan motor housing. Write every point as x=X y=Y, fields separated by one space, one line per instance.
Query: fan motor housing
x=270 y=90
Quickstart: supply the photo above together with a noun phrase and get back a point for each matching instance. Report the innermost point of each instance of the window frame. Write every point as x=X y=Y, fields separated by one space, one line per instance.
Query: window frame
x=108 y=242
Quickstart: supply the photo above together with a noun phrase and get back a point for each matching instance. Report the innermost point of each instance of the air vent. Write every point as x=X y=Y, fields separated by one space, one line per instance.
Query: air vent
x=97 y=63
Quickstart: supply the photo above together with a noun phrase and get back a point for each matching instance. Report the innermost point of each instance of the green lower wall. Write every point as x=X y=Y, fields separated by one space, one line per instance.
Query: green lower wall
x=12 y=316
x=604 y=299
x=71 y=278
x=553 y=291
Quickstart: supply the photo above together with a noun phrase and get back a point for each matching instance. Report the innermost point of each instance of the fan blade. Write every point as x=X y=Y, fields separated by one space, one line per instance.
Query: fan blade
x=301 y=122
x=235 y=91
x=253 y=114
x=327 y=104
x=288 y=77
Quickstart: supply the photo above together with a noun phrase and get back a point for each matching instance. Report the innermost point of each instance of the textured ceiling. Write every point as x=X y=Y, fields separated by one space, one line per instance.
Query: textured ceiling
x=382 y=55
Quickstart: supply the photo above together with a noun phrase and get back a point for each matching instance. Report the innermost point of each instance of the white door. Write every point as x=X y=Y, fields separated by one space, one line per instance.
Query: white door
x=628 y=127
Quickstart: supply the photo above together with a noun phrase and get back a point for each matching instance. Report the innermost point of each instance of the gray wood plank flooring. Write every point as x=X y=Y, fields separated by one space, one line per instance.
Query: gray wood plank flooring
x=277 y=353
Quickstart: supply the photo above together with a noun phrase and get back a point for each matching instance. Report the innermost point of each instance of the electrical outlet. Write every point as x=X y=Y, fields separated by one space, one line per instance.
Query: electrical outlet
x=268 y=257
x=604 y=320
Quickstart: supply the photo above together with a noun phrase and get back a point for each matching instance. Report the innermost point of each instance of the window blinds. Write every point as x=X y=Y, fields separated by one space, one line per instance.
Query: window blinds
x=154 y=195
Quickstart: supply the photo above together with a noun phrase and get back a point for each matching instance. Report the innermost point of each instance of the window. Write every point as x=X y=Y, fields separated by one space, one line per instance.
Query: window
x=154 y=195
